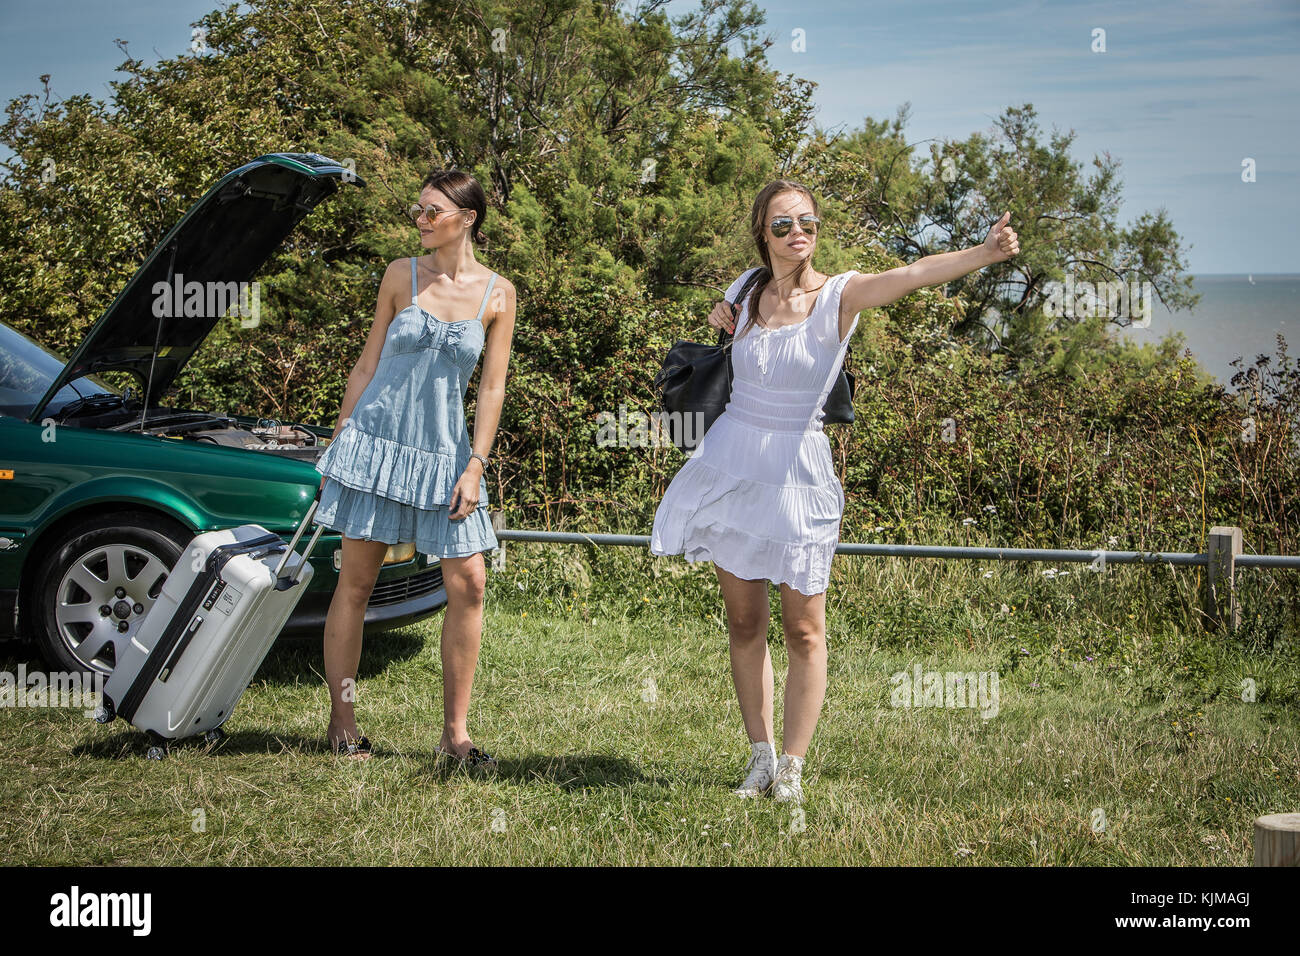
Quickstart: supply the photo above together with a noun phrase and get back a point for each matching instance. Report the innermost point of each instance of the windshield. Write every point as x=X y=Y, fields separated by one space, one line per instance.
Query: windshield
x=28 y=369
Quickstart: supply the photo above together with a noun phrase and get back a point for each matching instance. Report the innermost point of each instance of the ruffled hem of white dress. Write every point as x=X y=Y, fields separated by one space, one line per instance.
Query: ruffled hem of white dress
x=804 y=567
x=786 y=534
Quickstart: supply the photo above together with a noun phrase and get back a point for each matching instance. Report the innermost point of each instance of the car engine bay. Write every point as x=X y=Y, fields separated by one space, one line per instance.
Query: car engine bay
x=269 y=435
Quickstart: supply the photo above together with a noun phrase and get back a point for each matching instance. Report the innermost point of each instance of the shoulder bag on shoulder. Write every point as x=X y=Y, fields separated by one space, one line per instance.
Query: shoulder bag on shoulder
x=695 y=384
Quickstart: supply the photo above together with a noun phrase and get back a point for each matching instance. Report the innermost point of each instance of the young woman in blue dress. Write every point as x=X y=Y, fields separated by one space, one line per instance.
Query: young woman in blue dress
x=403 y=468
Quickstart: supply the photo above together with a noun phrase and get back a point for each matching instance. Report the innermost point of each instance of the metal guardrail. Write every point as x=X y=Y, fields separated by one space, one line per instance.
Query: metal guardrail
x=1221 y=559
x=1179 y=558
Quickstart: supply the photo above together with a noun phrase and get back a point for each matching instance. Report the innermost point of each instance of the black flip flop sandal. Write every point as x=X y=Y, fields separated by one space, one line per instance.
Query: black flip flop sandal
x=474 y=758
x=352 y=748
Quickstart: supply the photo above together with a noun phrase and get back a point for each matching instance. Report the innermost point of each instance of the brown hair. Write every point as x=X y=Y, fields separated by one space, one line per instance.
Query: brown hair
x=464 y=190
x=757 y=229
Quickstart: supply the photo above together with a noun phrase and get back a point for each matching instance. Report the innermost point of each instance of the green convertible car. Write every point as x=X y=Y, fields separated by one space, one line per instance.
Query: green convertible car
x=101 y=489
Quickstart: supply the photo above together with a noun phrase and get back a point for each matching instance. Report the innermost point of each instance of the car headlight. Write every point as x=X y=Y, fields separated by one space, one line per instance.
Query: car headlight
x=397 y=553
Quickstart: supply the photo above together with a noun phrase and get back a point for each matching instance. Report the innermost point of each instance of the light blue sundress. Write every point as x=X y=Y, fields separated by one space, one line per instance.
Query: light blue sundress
x=391 y=470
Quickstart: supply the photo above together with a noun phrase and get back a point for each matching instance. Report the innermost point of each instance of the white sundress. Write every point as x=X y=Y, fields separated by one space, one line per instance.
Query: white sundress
x=760 y=497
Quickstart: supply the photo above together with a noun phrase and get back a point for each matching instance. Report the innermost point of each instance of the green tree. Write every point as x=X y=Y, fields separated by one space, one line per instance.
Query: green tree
x=621 y=150
x=1067 y=223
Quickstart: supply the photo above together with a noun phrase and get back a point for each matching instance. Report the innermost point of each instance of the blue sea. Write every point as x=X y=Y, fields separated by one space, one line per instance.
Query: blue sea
x=1238 y=316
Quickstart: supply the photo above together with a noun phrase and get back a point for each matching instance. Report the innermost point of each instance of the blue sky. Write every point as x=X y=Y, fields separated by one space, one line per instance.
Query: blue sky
x=1186 y=90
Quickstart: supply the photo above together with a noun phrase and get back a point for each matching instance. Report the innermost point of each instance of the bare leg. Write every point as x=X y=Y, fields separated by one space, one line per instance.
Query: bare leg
x=462 y=629
x=803 y=619
x=344 y=625
x=751 y=664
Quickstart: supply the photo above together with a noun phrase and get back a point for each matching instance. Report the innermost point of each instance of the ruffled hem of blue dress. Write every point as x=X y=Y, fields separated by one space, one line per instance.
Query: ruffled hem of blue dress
x=393 y=469
x=371 y=517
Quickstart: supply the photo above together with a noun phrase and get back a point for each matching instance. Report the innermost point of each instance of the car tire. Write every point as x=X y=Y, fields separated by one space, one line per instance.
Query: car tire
x=115 y=563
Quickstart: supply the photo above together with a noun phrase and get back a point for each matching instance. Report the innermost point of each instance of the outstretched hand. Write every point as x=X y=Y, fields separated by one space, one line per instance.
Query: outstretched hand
x=1002 y=243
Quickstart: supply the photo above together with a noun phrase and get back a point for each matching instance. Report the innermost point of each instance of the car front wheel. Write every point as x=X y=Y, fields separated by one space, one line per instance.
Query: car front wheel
x=95 y=587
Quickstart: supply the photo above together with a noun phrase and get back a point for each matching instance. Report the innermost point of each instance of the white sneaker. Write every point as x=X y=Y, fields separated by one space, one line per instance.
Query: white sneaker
x=760 y=771
x=787 y=787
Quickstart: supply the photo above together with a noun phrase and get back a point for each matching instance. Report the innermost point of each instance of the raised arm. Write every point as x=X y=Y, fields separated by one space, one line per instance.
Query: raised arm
x=872 y=290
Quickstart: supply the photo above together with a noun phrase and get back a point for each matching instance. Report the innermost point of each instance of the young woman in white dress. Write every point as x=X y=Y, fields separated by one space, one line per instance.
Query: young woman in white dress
x=759 y=497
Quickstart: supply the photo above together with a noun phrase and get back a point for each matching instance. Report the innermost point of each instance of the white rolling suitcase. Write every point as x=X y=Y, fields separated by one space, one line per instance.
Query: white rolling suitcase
x=197 y=649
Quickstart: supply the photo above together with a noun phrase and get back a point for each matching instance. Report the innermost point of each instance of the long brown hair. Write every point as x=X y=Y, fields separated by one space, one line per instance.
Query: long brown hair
x=758 y=230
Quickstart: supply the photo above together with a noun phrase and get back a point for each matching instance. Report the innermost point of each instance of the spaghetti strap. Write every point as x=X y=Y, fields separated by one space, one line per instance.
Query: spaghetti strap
x=486 y=293
x=415 y=299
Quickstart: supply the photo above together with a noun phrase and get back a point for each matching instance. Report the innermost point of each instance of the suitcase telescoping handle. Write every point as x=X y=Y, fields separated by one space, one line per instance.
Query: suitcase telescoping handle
x=297 y=534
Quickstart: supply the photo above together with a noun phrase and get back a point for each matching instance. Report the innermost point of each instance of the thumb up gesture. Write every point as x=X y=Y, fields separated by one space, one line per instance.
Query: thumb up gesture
x=1001 y=243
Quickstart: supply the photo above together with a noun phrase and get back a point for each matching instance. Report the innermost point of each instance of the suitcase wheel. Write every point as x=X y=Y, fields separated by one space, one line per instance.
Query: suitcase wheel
x=214 y=736
x=156 y=753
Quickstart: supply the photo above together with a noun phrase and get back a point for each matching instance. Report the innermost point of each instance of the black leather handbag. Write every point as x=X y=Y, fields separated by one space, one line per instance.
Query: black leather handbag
x=694 y=386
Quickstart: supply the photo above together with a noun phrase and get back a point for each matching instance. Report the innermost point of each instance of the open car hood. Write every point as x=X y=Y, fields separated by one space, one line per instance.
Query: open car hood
x=224 y=238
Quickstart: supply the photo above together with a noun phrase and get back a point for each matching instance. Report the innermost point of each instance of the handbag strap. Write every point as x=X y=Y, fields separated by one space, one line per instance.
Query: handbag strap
x=723 y=334
x=725 y=338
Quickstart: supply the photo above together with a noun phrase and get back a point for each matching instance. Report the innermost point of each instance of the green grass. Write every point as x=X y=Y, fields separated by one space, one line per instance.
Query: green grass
x=601 y=766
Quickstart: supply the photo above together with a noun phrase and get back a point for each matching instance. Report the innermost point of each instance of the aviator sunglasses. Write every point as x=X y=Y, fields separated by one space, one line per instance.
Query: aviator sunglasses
x=430 y=212
x=781 y=225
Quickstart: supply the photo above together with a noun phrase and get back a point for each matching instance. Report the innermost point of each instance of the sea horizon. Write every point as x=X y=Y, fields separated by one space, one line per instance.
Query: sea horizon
x=1239 y=315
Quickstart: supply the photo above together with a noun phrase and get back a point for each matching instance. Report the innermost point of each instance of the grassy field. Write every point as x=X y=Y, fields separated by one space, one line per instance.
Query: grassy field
x=1120 y=736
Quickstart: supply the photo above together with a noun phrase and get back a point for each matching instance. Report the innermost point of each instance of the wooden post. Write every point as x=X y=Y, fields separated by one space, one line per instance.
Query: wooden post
x=1277 y=840
x=1221 y=607
x=498 y=519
